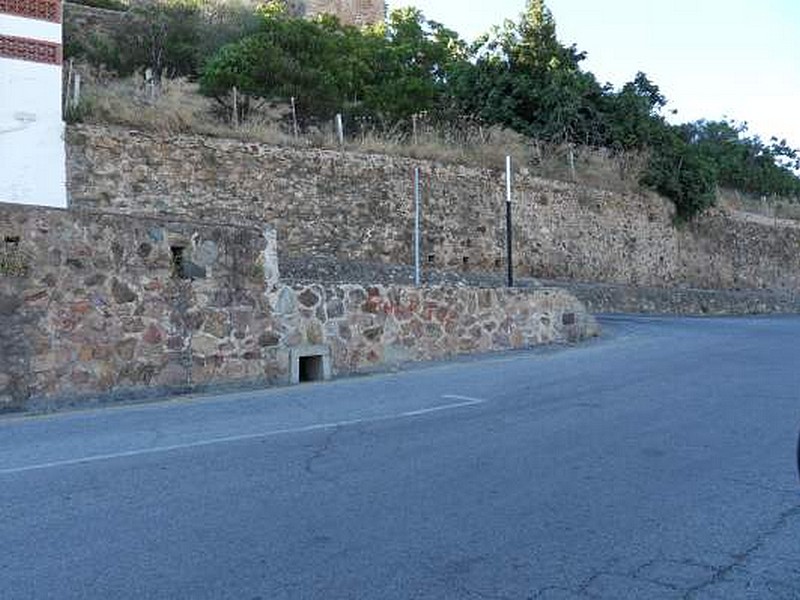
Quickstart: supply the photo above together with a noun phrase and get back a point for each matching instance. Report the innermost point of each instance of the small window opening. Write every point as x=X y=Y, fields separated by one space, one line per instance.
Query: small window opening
x=431 y=258
x=465 y=260
x=311 y=368
x=12 y=262
x=177 y=261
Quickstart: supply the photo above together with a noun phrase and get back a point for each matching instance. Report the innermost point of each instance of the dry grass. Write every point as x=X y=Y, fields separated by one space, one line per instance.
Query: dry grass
x=176 y=107
x=770 y=207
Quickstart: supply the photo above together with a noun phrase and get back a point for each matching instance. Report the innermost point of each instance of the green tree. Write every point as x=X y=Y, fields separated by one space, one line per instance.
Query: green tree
x=525 y=79
x=412 y=60
x=678 y=170
x=630 y=118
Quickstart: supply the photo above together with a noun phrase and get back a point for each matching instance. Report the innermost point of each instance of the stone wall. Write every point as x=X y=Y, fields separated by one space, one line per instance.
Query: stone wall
x=98 y=306
x=615 y=298
x=372 y=326
x=352 y=12
x=84 y=23
x=359 y=207
x=92 y=304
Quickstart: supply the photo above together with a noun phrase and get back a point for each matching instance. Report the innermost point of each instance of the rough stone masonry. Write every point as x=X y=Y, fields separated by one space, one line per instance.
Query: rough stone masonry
x=98 y=306
x=355 y=206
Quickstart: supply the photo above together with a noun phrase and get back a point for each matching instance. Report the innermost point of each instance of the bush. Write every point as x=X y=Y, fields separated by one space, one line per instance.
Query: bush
x=679 y=171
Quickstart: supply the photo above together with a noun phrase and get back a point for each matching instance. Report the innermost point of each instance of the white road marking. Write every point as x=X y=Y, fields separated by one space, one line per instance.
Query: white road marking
x=467 y=399
x=465 y=402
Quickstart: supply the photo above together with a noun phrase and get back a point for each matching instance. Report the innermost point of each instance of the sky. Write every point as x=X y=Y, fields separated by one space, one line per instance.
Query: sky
x=713 y=59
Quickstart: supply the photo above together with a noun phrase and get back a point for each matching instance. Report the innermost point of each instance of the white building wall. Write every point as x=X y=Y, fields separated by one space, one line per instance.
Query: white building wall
x=32 y=156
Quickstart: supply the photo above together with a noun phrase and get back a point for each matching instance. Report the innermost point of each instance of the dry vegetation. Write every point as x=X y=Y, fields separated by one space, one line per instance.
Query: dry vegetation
x=776 y=209
x=175 y=107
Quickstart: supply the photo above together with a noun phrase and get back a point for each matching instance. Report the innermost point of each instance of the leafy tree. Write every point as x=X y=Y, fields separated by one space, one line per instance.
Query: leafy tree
x=678 y=170
x=746 y=163
x=412 y=63
x=525 y=79
x=387 y=72
x=314 y=61
x=172 y=38
x=630 y=118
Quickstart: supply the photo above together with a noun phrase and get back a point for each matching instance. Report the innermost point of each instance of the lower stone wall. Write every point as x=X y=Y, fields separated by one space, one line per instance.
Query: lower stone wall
x=609 y=298
x=97 y=307
x=368 y=327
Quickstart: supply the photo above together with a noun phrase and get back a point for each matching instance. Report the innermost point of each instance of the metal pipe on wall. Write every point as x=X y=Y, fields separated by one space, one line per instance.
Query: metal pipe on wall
x=510 y=258
x=416 y=227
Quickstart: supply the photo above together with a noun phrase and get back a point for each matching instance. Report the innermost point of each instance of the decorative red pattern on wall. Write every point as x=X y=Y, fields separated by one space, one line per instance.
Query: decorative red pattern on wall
x=30 y=50
x=44 y=10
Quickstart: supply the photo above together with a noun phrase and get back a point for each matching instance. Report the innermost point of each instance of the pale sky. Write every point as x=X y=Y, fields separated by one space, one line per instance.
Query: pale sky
x=711 y=58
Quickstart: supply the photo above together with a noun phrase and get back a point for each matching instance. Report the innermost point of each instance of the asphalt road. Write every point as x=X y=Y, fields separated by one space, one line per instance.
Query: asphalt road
x=657 y=462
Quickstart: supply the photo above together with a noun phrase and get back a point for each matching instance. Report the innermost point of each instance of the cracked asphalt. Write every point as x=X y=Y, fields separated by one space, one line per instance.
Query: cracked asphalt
x=656 y=462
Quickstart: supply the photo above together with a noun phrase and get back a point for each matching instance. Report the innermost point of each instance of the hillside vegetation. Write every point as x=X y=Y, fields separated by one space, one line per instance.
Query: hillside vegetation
x=398 y=78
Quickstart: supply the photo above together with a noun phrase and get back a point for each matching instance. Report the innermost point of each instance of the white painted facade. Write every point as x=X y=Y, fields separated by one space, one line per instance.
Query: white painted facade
x=30 y=28
x=32 y=155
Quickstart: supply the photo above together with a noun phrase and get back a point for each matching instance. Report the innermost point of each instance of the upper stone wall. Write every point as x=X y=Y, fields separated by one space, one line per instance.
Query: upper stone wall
x=359 y=207
x=352 y=12
x=81 y=21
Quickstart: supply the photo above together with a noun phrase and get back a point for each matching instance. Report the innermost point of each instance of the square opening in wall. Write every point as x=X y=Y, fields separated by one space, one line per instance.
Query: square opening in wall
x=309 y=363
x=311 y=368
x=177 y=259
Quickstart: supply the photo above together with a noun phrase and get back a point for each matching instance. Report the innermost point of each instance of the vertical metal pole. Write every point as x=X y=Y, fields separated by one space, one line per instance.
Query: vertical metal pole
x=235 y=107
x=294 y=118
x=416 y=226
x=69 y=86
x=340 y=129
x=76 y=90
x=509 y=255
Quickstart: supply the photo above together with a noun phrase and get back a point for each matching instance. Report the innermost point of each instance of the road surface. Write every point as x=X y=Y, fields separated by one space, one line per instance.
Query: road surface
x=656 y=462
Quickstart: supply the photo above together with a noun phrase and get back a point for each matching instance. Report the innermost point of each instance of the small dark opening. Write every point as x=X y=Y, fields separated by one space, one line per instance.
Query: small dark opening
x=177 y=261
x=465 y=260
x=12 y=240
x=431 y=258
x=311 y=368
x=498 y=263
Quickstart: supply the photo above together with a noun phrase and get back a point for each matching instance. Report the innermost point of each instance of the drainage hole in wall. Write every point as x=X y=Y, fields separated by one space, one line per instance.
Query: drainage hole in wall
x=311 y=368
x=177 y=261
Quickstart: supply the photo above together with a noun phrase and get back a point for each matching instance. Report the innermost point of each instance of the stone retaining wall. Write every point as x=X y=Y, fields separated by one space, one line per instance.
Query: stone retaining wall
x=358 y=207
x=597 y=297
x=98 y=306
x=91 y=304
x=85 y=23
x=368 y=327
x=610 y=298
